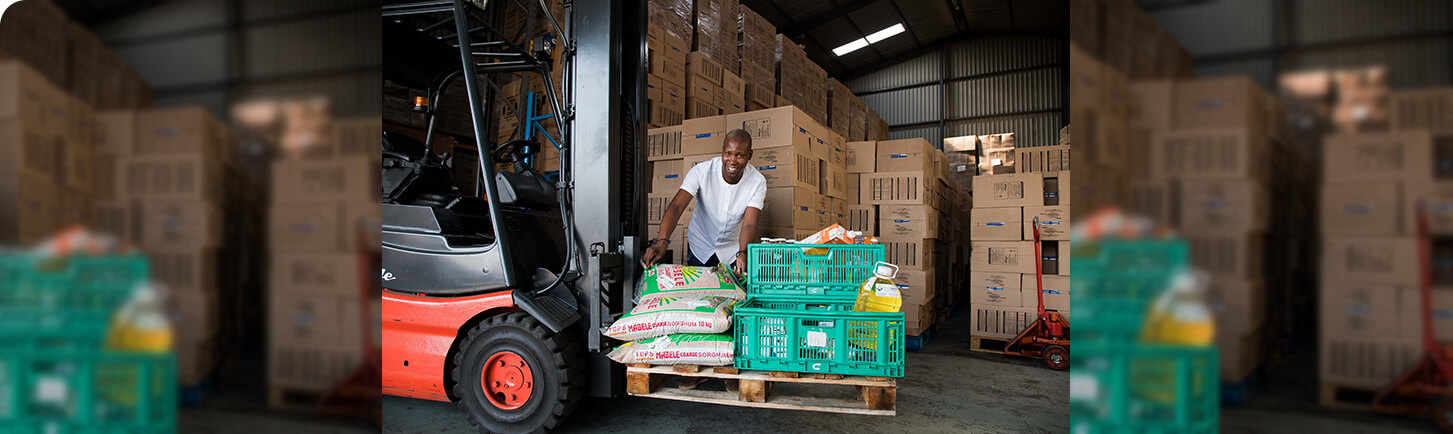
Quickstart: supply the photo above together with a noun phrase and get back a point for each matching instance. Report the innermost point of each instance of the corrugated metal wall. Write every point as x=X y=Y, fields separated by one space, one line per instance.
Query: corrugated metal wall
x=989 y=85
x=1412 y=38
x=203 y=53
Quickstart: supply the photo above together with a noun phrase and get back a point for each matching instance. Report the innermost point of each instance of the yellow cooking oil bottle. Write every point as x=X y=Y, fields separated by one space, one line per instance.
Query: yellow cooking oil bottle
x=1177 y=317
x=139 y=326
x=878 y=293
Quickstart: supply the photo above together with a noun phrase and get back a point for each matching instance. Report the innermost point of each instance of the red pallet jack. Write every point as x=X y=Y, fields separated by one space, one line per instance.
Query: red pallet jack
x=1426 y=387
x=359 y=392
x=1048 y=337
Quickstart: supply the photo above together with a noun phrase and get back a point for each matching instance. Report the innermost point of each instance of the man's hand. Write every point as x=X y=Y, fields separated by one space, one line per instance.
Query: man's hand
x=652 y=254
x=740 y=265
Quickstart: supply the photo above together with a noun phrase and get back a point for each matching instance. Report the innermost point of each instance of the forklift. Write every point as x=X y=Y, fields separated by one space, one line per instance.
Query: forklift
x=496 y=299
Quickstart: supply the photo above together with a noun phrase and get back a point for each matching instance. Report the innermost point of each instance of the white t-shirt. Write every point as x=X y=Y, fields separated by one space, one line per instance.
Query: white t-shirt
x=719 y=208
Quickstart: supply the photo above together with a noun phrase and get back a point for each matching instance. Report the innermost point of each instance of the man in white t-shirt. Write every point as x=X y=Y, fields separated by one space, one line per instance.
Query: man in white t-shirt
x=729 y=194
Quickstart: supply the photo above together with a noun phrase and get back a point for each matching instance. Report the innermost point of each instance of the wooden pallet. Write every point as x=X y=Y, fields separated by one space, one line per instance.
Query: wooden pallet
x=987 y=344
x=1347 y=397
x=877 y=396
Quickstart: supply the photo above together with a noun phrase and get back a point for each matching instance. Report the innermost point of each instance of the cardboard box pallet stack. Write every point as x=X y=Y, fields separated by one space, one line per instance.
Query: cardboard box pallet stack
x=170 y=181
x=1013 y=187
x=1371 y=310
x=904 y=197
x=40 y=34
x=323 y=219
x=46 y=169
x=1208 y=156
x=666 y=78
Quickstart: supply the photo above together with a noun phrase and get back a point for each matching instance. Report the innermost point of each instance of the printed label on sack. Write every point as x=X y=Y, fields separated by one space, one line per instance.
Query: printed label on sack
x=994 y=224
x=1358 y=309
x=672 y=176
x=900 y=221
x=703 y=135
x=898 y=156
x=994 y=288
x=767 y=168
x=1051 y=291
x=816 y=339
x=1048 y=223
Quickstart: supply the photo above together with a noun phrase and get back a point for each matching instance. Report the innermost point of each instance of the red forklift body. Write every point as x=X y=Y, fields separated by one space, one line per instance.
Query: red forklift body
x=417 y=335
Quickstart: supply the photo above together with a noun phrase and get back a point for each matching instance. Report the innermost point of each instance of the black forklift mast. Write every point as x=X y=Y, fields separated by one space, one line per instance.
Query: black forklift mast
x=607 y=79
x=602 y=175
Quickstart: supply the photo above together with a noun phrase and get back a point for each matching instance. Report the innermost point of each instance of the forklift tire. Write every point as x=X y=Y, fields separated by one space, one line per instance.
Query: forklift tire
x=1443 y=414
x=1056 y=357
x=513 y=375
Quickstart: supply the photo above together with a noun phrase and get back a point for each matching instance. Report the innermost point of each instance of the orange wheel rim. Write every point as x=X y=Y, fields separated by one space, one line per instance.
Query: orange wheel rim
x=507 y=380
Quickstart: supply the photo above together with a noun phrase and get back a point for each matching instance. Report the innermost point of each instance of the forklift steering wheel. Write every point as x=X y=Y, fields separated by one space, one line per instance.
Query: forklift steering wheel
x=509 y=152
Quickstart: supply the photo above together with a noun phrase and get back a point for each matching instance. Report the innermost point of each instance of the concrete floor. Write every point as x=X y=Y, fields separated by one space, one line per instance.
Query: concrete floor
x=1287 y=402
x=237 y=404
x=947 y=389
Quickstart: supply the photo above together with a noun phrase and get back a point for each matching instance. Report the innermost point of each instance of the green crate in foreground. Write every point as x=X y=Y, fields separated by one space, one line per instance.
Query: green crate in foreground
x=55 y=375
x=799 y=313
x=806 y=335
x=1138 y=388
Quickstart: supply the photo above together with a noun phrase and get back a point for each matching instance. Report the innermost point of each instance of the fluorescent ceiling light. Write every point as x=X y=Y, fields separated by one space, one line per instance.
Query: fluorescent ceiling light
x=849 y=47
x=885 y=33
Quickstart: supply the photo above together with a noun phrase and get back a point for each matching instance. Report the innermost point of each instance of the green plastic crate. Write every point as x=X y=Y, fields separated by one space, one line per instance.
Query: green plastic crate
x=55 y=375
x=1117 y=384
x=806 y=335
x=789 y=270
x=1115 y=282
x=1136 y=388
x=799 y=313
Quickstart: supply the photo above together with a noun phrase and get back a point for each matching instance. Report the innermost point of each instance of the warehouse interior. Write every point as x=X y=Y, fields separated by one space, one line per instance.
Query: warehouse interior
x=1256 y=131
x=869 y=94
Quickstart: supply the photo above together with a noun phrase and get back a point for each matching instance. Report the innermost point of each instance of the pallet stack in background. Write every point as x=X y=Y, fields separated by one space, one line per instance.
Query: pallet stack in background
x=39 y=142
x=666 y=78
x=904 y=196
x=324 y=222
x=1013 y=187
x=1208 y=157
x=1371 y=309
x=174 y=186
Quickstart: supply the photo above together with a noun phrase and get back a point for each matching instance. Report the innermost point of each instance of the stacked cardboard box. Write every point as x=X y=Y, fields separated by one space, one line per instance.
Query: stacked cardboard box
x=1208 y=158
x=876 y=128
x=663 y=152
x=37 y=139
x=757 y=51
x=675 y=17
x=716 y=32
x=840 y=106
x=1129 y=40
x=1430 y=109
x=1002 y=262
x=169 y=182
x=805 y=167
x=1370 y=304
x=324 y=218
x=800 y=81
x=40 y=34
x=666 y=82
x=1100 y=126
x=902 y=196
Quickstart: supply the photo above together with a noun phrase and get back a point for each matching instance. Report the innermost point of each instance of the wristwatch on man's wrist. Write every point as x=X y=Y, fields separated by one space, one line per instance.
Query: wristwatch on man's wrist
x=652 y=242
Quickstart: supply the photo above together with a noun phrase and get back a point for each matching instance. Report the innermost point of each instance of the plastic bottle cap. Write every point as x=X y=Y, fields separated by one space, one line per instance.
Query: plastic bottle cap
x=885 y=270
